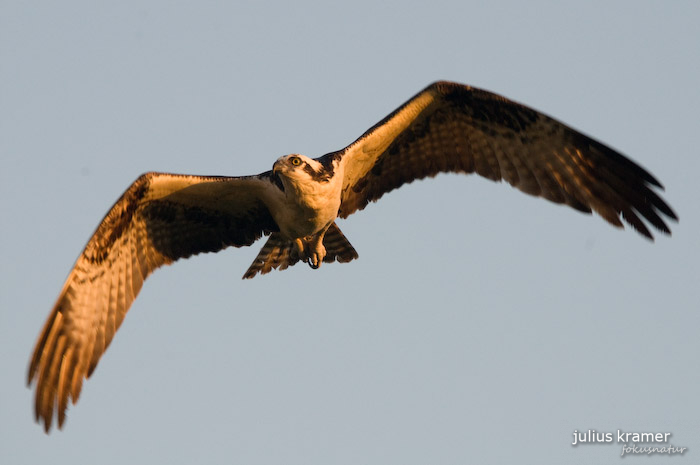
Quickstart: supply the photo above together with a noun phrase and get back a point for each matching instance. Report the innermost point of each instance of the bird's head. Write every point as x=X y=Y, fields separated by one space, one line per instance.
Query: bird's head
x=299 y=169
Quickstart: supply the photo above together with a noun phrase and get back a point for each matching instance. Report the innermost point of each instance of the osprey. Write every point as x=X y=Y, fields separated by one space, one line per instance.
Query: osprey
x=447 y=127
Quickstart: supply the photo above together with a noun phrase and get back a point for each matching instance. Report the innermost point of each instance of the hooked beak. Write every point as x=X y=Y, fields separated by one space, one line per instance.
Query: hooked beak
x=276 y=169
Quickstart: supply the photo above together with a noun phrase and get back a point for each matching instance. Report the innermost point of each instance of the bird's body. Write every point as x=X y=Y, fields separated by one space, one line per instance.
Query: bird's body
x=309 y=206
x=447 y=127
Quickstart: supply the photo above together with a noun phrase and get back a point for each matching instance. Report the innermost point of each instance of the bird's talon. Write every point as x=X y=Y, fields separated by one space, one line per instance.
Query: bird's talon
x=314 y=261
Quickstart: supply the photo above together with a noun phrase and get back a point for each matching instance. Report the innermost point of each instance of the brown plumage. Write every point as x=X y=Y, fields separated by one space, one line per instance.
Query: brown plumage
x=447 y=127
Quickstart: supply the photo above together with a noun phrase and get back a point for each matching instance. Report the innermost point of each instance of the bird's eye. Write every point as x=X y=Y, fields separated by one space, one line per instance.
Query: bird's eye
x=296 y=161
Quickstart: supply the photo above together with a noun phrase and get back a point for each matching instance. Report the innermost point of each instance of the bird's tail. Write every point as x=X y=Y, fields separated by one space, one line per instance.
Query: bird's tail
x=337 y=246
x=280 y=253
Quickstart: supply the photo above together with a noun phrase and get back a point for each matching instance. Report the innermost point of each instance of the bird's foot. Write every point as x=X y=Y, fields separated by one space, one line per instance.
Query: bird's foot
x=316 y=258
x=311 y=251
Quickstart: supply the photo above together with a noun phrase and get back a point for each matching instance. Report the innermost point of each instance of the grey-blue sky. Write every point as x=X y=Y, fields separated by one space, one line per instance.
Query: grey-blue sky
x=479 y=324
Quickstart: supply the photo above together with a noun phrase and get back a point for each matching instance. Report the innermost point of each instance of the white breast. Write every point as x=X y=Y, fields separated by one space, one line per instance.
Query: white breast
x=308 y=206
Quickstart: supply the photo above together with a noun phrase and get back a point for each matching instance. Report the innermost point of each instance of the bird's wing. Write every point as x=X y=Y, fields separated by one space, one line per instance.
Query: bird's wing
x=450 y=127
x=159 y=219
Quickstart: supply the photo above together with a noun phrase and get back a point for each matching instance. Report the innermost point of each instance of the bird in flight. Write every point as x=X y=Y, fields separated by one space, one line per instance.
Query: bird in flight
x=447 y=127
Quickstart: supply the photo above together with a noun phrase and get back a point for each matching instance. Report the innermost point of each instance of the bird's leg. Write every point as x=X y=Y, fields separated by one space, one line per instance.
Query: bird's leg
x=300 y=248
x=311 y=249
x=315 y=251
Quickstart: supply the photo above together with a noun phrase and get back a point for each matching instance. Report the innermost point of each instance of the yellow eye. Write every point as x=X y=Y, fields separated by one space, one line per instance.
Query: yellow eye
x=296 y=161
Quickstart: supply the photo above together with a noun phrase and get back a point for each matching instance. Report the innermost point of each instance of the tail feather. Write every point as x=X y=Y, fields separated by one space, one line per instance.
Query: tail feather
x=276 y=253
x=337 y=246
x=280 y=253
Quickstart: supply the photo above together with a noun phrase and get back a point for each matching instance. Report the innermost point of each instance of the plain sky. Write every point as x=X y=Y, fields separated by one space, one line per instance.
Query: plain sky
x=479 y=325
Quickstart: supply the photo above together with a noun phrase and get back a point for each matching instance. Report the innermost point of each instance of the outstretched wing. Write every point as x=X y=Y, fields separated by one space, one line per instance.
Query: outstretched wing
x=159 y=219
x=449 y=127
